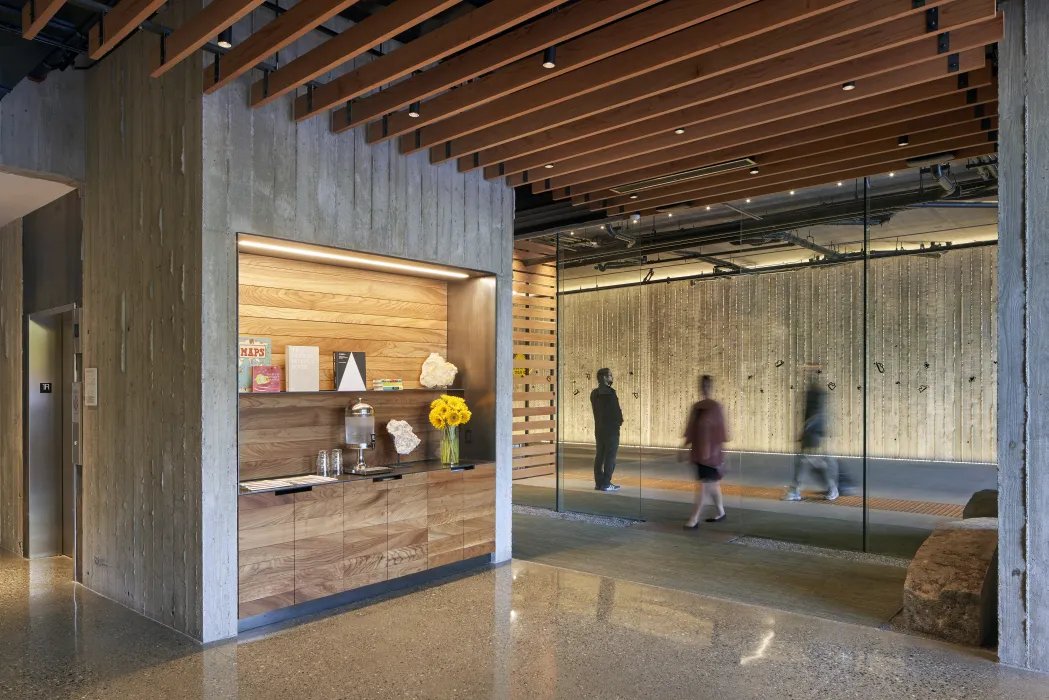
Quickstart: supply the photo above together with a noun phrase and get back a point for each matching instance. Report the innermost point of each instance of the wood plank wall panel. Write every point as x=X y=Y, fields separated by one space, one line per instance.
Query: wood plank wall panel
x=932 y=354
x=319 y=551
x=266 y=528
x=407 y=525
x=444 y=503
x=397 y=321
x=11 y=379
x=280 y=434
x=479 y=511
x=144 y=472
x=365 y=534
x=535 y=360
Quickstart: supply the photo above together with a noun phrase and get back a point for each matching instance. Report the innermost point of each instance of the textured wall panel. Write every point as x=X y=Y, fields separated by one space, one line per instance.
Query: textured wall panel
x=932 y=355
x=143 y=263
x=11 y=381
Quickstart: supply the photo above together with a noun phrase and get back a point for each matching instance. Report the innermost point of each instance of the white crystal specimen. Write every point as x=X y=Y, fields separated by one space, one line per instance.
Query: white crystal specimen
x=437 y=372
x=404 y=438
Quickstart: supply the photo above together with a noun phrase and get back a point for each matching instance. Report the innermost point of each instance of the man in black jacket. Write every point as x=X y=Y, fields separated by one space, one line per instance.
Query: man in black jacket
x=608 y=417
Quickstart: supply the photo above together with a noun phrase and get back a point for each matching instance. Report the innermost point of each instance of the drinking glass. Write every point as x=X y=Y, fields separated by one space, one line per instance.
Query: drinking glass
x=336 y=463
x=322 y=463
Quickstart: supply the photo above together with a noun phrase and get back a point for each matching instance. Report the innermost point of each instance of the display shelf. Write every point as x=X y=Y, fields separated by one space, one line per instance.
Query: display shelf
x=396 y=470
x=349 y=393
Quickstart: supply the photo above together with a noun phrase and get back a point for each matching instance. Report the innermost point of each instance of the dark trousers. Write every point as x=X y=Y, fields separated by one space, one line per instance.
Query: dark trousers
x=605 y=459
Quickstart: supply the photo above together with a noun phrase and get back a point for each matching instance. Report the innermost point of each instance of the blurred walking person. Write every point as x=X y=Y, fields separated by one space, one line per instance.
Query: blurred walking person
x=705 y=437
x=608 y=418
x=814 y=432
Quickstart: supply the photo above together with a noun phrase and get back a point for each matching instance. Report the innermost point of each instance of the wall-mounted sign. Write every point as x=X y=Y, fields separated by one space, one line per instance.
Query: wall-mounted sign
x=90 y=386
x=45 y=387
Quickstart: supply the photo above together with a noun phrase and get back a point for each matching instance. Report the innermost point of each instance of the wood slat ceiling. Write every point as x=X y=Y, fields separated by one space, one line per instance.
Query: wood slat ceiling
x=638 y=89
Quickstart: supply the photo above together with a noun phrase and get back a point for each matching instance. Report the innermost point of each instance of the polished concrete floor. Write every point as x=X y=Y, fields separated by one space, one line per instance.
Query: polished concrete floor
x=520 y=631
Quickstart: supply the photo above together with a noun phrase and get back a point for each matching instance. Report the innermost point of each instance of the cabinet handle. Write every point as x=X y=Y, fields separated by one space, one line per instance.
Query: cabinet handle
x=464 y=468
x=392 y=477
x=296 y=489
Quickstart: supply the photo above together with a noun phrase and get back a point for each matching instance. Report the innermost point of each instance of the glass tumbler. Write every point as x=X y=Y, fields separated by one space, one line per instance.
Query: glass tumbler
x=336 y=463
x=322 y=463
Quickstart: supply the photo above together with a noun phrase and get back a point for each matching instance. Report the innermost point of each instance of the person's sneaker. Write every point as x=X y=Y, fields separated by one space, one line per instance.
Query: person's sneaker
x=792 y=495
x=599 y=488
x=832 y=495
x=612 y=487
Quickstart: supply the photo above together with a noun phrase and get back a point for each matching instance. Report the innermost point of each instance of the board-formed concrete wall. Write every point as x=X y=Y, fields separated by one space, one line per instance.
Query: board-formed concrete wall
x=42 y=127
x=11 y=381
x=931 y=355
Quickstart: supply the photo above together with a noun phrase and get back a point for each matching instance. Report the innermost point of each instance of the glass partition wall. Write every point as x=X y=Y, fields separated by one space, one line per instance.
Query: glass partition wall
x=854 y=357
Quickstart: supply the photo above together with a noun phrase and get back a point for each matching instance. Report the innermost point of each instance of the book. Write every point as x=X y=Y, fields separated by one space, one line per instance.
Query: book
x=265 y=379
x=303 y=363
x=251 y=352
x=349 y=371
x=387 y=385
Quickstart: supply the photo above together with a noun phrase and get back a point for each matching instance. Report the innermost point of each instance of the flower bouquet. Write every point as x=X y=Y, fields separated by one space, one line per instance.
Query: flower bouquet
x=446 y=414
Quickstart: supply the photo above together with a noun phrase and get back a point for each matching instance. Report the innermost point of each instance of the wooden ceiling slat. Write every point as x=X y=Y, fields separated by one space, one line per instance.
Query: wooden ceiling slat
x=809 y=141
x=283 y=31
x=463 y=32
x=790 y=161
x=648 y=25
x=198 y=30
x=889 y=94
x=372 y=31
x=848 y=58
x=116 y=24
x=556 y=28
x=36 y=14
x=806 y=128
x=827 y=178
x=881 y=72
x=787 y=180
x=713 y=24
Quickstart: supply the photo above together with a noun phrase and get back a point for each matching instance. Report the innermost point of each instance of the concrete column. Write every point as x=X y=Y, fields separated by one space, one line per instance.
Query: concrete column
x=1023 y=336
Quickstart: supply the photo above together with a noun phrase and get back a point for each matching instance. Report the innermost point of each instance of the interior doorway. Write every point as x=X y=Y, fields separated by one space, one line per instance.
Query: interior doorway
x=51 y=438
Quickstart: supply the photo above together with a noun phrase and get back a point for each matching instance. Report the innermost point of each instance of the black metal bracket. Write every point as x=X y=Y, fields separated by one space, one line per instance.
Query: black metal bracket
x=218 y=70
x=985 y=124
x=349 y=120
x=385 y=125
x=546 y=184
x=266 y=86
x=477 y=160
x=963 y=81
x=525 y=176
x=979 y=111
x=586 y=197
x=932 y=19
x=992 y=135
x=568 y=191
x=418 y=138
x=32 y=12
x=943 y=42
x=447 y=149
x=163 y=48
x=953 y=63
x=970 y=96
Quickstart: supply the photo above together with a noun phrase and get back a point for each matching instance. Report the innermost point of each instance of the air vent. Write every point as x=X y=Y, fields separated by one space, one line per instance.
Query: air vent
x=684 y=176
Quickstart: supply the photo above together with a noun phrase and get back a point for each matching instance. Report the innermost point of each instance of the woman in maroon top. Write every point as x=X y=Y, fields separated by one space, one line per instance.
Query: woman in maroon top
x=705 y=435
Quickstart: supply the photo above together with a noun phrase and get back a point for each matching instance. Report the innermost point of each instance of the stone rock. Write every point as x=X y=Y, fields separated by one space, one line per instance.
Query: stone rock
x=983 y=504
x=951 y=591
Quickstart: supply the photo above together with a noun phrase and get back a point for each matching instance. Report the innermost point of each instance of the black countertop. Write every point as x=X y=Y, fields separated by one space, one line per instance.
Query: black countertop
x=422 y=466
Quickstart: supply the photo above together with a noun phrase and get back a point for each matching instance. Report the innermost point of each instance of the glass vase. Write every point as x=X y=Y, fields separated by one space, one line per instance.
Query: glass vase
x=450 y=445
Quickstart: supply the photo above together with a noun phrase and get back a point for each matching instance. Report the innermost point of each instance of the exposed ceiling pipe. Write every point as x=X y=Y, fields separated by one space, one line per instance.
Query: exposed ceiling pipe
x=805 y=243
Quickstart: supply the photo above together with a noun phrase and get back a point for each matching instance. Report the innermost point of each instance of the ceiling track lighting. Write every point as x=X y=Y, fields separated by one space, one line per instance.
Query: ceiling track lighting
x=851 y=85
x=415 y=110
x=904 y=141
x=225 y=40
x=550 y=57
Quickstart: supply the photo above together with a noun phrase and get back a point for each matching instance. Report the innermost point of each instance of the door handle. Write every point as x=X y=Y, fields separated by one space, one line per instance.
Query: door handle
x=297 y=489
x=391 y=477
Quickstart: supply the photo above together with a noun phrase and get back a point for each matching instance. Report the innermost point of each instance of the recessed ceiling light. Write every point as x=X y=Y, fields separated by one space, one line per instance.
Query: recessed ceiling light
x=414 y=110
x=892 y=174
x=226 y=39
x=708 y=207
x=904 y=141
x=550 y=57
x=839 y=184
x=748 y=200
x=633 y=196
x=548 y=166
x=792 y=193
x=571 y=233
x=755 y=170
x=351 y=259
x=679 y=131
x=670 y=213
x=851 y=85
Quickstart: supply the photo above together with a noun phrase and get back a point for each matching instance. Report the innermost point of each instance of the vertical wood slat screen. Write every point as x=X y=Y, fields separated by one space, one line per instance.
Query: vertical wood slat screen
x=535 y=362
x=932 y=353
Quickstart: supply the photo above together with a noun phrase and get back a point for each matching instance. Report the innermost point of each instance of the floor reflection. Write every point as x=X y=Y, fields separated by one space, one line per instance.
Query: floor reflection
x=519 y=631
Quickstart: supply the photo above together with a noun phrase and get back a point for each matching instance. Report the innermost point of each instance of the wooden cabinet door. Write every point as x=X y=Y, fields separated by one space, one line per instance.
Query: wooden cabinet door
x=407 y=525
x=479 y=511
x=364 y=535
x=444 y=517
x=266 y=552
x=318 y=542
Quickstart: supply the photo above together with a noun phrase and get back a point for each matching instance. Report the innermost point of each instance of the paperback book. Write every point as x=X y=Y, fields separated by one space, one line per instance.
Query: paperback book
x=303 y=365
x=251 y=352
x=265 y=379
x=349 y=371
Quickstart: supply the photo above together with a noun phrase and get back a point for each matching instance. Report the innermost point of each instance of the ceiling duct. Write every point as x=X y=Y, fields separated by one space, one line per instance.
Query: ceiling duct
x=685 y=175
x=930 y=160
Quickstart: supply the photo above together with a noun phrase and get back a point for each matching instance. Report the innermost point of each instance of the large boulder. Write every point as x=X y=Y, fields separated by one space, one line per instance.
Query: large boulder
x=951 y=590
x=983 y=504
